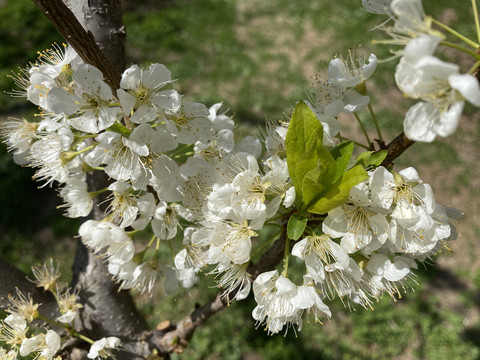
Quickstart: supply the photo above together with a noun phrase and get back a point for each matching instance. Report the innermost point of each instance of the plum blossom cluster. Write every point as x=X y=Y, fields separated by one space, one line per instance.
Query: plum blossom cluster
x=177 y=175
x=366 y=247
x=344 y=91
x=440 y=86
x=24 y=338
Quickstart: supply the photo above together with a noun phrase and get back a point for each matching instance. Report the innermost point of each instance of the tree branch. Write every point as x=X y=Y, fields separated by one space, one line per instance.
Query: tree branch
x=106 y=310
x=396 y=148
x=82 y=41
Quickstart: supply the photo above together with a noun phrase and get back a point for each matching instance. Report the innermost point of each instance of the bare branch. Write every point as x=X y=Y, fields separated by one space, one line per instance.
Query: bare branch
x=82 y=41
x=396 y=148
x=178 y=339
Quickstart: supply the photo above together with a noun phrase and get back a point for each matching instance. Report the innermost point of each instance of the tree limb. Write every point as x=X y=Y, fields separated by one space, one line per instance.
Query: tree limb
x=396 y=148
x=82 y=41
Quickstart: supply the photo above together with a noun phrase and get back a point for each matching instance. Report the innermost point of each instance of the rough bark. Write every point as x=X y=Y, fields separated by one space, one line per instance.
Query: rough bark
x=98 y=37
x=82 y=41
x=396 y=148
x=103 y=18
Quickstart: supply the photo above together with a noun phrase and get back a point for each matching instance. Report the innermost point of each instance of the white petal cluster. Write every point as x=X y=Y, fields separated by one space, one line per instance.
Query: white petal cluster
x=439 y=86
x=176 y=171
x=389 y=221
x=281 y=302
x=101 y=349
x=246 y=195
x=16 y=332
x=343 y=91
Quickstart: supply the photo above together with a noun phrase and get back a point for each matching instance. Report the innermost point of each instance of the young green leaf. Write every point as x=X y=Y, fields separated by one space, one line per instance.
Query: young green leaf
x=371 y=158
x=308 y=161
x=318 y=180
x=377 y=157
x=119 y=128
x=337 y=194
x=302 y=131
x=342 y=154
x=296 y=226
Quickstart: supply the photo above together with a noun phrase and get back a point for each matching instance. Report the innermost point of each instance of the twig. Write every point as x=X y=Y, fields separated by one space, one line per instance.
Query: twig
x=396 y=148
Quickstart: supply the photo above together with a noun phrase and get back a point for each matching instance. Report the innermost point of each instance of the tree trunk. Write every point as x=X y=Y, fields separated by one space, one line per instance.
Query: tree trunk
x=106 y=310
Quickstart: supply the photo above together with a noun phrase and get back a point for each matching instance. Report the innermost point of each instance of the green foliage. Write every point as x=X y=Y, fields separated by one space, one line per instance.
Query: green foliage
x=319 y=176
x=342 y=154
x=302 y=136
x=368 y=159
x=295 y=227
x=326 y=199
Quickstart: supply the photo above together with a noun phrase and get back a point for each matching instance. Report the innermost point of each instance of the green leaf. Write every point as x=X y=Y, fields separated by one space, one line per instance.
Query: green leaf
x=318 y=180
x=342 y=154
x=377 y=157
x=337 y=194
x=301 y=133
x=296 y=226
x=119 y=128
x=308 y=161
x=371 y=158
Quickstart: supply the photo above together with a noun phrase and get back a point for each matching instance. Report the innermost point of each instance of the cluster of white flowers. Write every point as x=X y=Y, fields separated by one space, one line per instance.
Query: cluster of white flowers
x=343 y=91
x=176 y=170
x=439 y=85
x=369 y=246
x=23 y=338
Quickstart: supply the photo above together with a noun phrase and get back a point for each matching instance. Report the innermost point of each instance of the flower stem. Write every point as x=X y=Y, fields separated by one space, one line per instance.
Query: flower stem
x=363 y=129
x=286 y=257
x=151 y=241
x=455 y=33
x=83 y=337
x=94 y=194
x=475 y=15
x=70 y=330
x=53 y=322
x=474 y=67
x=68 y=156
x=341 y=138
x=461 y=48
x=377 y=126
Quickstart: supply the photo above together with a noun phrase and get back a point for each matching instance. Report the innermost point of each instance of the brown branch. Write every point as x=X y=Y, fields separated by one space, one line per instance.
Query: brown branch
x=82 y=41
x=178 y=339
x=396 y=148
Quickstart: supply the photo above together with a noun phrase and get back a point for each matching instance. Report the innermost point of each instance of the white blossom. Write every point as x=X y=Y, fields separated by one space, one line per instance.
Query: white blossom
x=101 y=348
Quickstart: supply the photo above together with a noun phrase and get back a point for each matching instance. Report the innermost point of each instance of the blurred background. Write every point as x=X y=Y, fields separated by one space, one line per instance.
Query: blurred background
x=259 y=58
